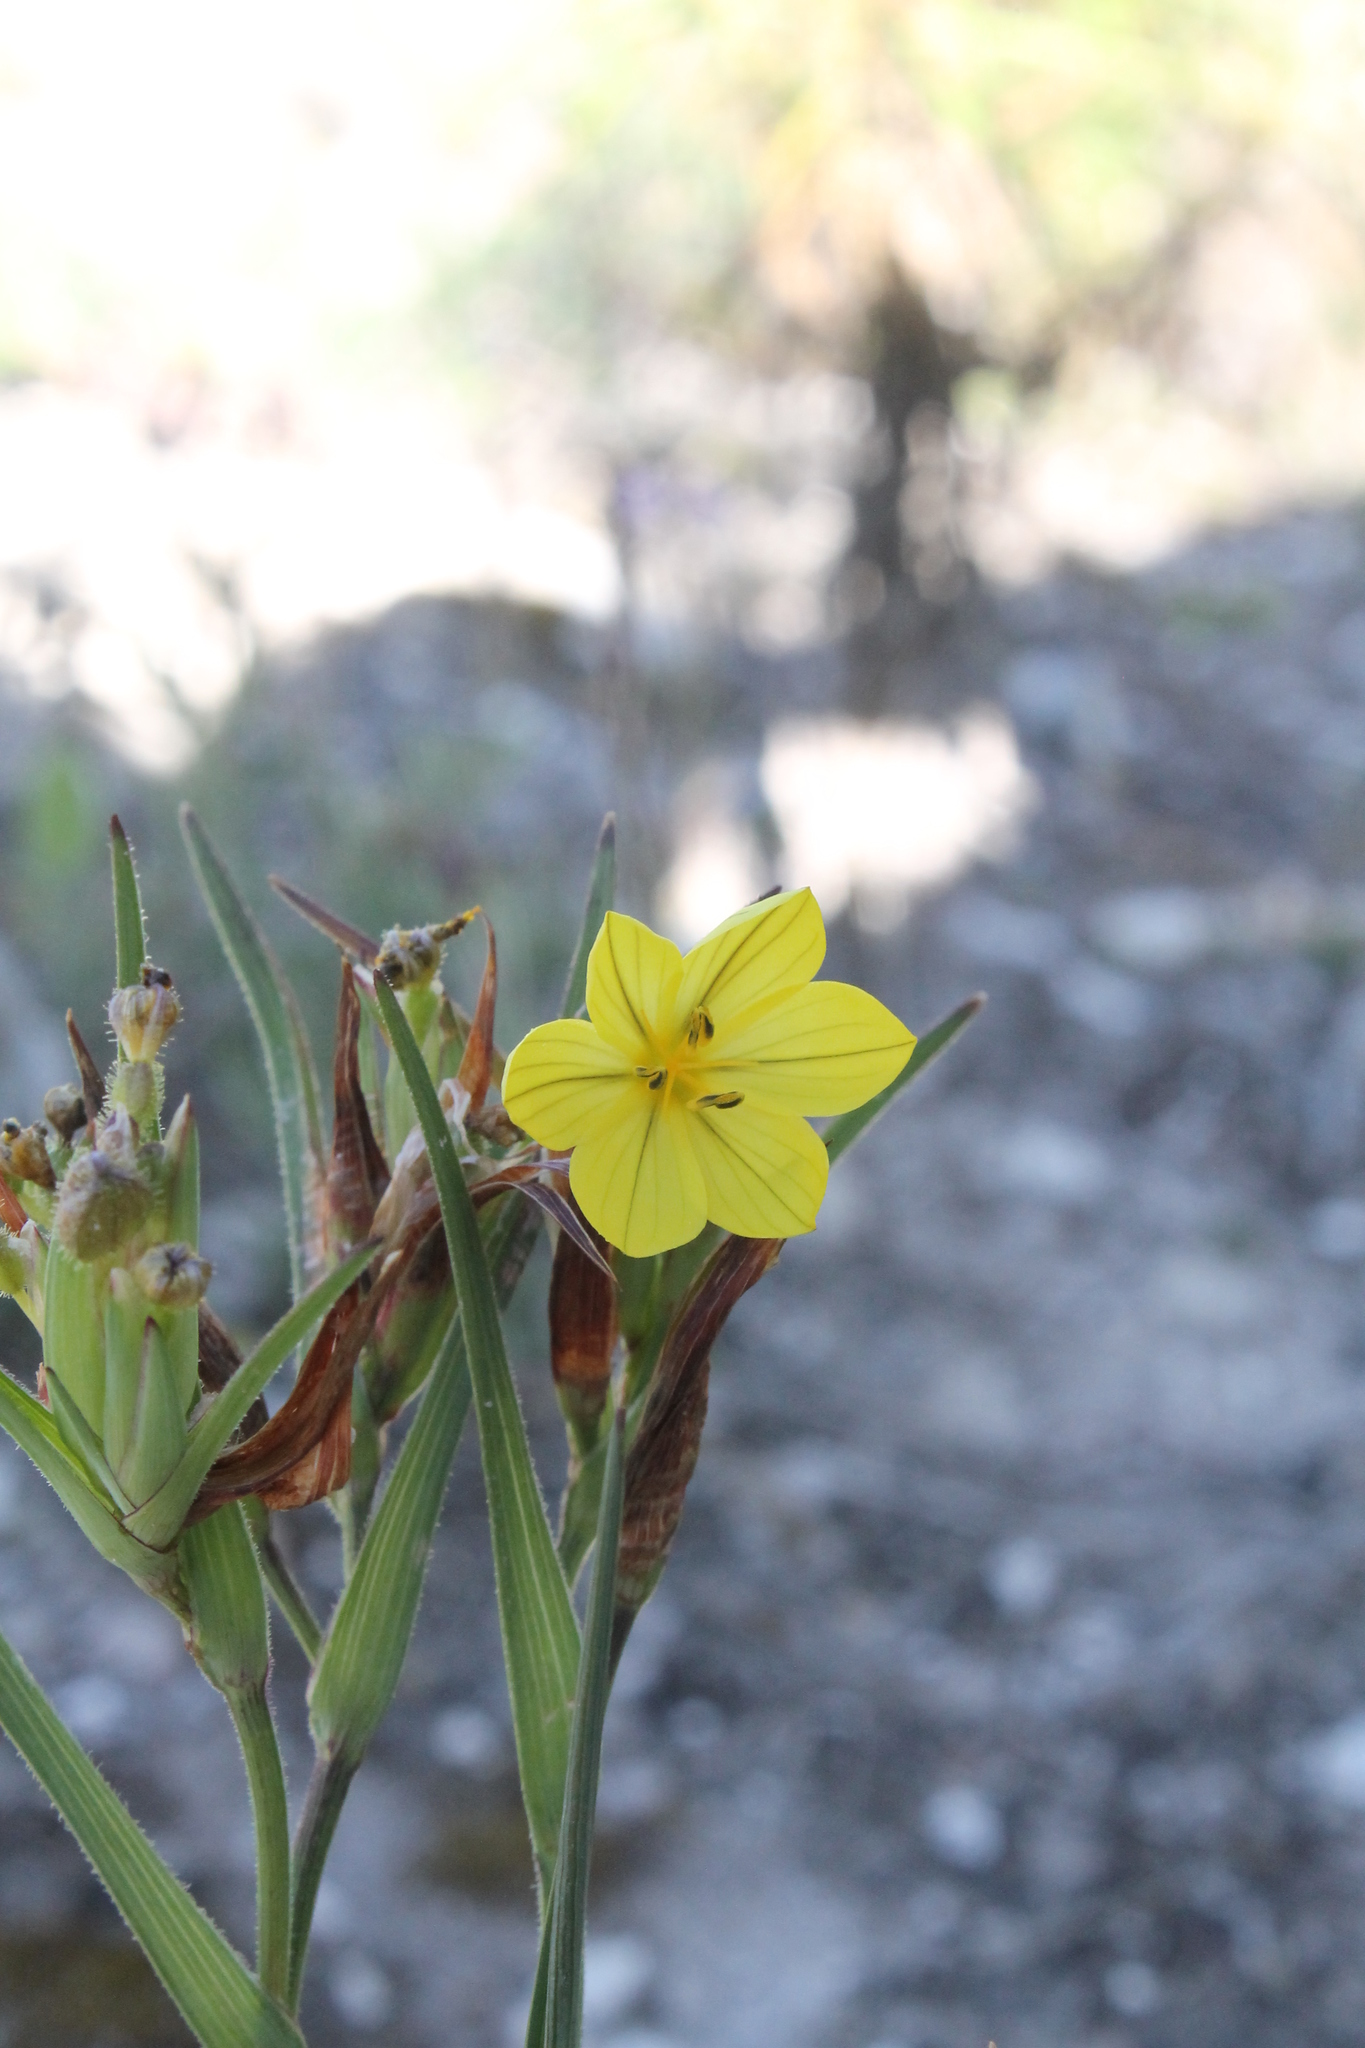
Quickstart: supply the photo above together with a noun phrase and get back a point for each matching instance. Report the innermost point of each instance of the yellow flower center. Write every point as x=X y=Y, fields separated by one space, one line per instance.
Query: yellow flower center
x=681 y=1068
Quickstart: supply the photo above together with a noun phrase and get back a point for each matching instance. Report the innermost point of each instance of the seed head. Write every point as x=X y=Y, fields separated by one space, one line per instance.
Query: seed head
x=64 y=1108
x=23 y=1153
x=173 y=1275
x=102 y=1203
x=409 y=959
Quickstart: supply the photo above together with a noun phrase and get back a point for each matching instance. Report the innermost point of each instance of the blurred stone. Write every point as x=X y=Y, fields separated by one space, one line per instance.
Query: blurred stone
x=1007 y=934
x=964 y=1827
x=1052 y=1163
x=1154 y=931
x=467 y=1739
x=94 y=1707
x=361 y=1991
x=1112 y=1004
x=1132 y=1989
x=1336 y=1230
x=1210 y=1292
x=1332 y=1764
x=696 y=1725
x=1022 y=1577
x=617 y=1971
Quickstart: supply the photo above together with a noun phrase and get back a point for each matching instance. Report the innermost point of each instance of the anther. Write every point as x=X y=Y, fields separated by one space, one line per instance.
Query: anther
x=700 y=1026
x=731 y=1101
x=654 y=1076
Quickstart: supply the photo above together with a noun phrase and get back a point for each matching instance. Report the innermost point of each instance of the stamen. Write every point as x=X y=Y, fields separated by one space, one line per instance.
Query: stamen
x=731 y=1101
x=699 y=1026
x=654 y=1076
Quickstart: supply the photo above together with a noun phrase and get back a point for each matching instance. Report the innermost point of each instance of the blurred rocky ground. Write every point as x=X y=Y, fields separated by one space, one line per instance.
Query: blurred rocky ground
x=1009 y=1678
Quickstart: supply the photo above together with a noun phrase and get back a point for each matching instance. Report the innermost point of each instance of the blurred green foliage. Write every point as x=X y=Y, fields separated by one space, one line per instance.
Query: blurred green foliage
x=744 y=169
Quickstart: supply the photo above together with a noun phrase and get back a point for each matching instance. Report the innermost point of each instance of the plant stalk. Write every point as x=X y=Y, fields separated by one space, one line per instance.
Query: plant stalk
x=327 y=1789
x=288 y=1594
x=265 y=1776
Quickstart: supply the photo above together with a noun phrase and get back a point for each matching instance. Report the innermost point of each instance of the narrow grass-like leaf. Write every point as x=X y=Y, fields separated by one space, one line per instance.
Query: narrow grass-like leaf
x=849 y=1127
x=539 y=1629
x=38 y=1436
x=601 y=896
x=368 y=1639
x=160 y=1520
x=568 y=1917
x=293 y=1087
x=82 y=1440
x=219 y=1999
x=130 y=930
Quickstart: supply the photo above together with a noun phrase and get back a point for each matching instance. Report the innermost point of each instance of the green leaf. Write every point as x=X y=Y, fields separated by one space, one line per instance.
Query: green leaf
x=36 y=1434
x=81 y=1439
x=160 y=1520
x=130 y=930
x=73 y=1322
x=274 y=1012
x=219 y=1999
x=846 y=1129
x=601 y=896
x=539 y=1629
x=368 y=1639
x=569 y=1911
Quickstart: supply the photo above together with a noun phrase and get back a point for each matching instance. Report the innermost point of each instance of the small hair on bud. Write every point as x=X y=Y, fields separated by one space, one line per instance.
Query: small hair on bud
x=101 y=1205
x=133 y=1087
x=409 y=959
x=143 y=1017
x=64 y=1107
x=23 y=1153
x=173 y=1275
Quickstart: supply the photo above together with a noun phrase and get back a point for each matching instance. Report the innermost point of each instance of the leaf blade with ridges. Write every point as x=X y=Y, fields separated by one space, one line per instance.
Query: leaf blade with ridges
x=208 y=1982
x=539 y=1629
x=274 y=1014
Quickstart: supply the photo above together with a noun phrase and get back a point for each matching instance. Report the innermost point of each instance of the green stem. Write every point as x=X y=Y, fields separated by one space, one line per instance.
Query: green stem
x=265 y=1775
x=327 y=1789
x=289 y=1595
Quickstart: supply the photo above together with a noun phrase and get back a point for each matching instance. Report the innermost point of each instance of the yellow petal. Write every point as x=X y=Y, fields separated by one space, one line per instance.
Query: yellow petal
x=637 y=1178
x=563 y=1080
x=633 y=979
x=820 y=1051
x=765 y=1170
x=776 y=944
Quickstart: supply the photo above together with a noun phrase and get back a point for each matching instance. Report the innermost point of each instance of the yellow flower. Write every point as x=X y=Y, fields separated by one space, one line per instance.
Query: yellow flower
x=684 y=1092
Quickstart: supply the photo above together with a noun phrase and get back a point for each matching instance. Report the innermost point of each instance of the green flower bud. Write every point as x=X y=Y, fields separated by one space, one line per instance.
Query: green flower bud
x=144 y=1016
x=102 y=1203
x=64 y=1108
x=173 y=1276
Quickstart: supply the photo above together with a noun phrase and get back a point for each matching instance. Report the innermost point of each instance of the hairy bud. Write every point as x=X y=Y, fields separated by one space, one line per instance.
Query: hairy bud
x=64 y=1108
x=101 y=1205
x=23 y=1153
x=409 y=959
x=173 y=1275
x=144 y=1016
